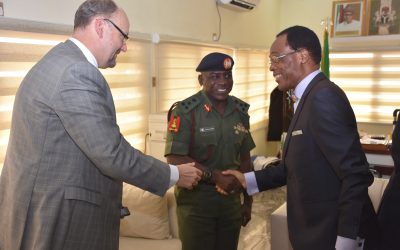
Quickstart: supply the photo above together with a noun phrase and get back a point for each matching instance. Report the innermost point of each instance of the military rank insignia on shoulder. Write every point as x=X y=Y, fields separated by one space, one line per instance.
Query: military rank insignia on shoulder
x=174 y=123
x=241 y=105
x=189 y=103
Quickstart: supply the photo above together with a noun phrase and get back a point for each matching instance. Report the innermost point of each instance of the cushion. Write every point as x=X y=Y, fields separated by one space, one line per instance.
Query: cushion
x=129 y=243
x=149 y=214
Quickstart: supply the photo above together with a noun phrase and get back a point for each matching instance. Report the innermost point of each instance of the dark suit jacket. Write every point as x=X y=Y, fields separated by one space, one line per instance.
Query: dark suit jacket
x=279 y=115
x=389 y=210
x=61 y=183
x=324 y=167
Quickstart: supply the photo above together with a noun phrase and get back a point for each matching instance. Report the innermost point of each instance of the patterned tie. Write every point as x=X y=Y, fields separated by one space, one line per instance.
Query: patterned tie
x=290 y=103
x=292 y=96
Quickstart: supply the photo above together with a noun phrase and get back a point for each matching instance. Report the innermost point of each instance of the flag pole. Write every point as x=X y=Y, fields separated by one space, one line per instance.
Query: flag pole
x=325 y=49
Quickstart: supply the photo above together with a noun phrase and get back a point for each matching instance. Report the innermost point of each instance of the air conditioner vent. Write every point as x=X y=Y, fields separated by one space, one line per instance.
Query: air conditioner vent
x=239 y=5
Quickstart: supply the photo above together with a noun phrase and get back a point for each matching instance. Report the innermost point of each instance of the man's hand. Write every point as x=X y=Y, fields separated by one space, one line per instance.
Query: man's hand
x=246 y=208
x=239 y=176
x=189 y=176
x=228 y=183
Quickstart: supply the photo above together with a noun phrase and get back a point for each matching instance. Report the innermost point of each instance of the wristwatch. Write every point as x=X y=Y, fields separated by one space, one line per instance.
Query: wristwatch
x=207 y=175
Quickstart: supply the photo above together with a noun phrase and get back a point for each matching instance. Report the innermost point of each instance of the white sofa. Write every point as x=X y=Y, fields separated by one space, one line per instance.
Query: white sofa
x=279 y=230
x=152 y=224
x=139 y=230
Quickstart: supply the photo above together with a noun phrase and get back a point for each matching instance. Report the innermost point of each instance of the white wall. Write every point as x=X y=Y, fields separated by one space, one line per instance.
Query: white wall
x=307 y=13
x=187 y=19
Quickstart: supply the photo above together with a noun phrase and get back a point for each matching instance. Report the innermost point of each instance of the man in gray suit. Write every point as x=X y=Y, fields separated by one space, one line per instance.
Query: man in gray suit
x=61 y=184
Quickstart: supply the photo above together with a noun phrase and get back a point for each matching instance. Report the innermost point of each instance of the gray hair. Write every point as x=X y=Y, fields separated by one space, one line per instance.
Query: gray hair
x=90 y=8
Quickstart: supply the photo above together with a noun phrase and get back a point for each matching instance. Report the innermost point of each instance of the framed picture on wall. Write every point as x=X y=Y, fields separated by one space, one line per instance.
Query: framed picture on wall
x=1 y=8
x=383 y=17
x=348 y=18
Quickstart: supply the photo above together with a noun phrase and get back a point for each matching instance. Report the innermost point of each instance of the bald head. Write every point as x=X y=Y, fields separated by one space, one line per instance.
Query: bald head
x=91 y=8
x=103 y=28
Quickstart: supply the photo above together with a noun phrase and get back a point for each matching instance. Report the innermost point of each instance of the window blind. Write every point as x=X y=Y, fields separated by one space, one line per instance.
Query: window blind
x=19 y=51
x=370 y=80
x=129 y=82
x=251 y=85
x=177 y=76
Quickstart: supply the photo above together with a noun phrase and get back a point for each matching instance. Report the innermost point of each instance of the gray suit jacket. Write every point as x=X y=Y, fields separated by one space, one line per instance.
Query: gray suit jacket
x=325 y=170
x=61 y=184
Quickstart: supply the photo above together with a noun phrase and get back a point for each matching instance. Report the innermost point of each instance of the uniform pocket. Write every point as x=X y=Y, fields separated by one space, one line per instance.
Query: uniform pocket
x=205 y=143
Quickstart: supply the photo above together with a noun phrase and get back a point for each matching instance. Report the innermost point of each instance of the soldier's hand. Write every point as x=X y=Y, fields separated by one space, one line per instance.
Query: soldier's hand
x=239 y=176
x=228 y=183
x=246 y=209
x=189 y=176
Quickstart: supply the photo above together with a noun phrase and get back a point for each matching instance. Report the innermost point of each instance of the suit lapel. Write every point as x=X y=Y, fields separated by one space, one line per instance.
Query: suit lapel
x=296 y=115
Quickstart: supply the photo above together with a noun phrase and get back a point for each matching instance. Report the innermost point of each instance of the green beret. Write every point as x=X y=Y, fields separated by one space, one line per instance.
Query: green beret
x=215 y=62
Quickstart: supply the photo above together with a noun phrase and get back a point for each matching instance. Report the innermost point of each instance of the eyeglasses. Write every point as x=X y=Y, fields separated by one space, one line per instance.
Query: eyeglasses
x=278 y=59
x=125 y=35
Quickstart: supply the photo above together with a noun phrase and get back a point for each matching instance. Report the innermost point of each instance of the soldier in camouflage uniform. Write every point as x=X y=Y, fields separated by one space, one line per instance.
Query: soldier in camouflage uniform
x=211 y=129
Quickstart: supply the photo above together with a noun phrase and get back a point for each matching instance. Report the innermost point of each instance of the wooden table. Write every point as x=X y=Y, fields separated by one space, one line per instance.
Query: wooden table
x=379 y=157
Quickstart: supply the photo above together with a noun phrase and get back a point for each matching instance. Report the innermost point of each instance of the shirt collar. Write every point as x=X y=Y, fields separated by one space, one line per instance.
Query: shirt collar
x=301 y=87
x=89 y=56
x=229 y=108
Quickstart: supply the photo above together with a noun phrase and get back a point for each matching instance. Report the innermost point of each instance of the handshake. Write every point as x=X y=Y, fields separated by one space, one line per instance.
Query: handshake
x=226 y=182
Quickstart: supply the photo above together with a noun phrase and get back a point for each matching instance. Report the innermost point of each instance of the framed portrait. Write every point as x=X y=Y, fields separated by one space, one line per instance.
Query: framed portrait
x=1 y=8
x=383 y=17
x=348 y=18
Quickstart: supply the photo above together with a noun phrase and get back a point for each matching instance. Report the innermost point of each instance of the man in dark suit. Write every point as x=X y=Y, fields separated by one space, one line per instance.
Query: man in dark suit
x=323 y=165
x=61 y=184
x=388 y=212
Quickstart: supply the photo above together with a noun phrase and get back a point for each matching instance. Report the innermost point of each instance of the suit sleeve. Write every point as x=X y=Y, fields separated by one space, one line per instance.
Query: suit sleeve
x=271 y=177
x=85 y=106
x=334 y=129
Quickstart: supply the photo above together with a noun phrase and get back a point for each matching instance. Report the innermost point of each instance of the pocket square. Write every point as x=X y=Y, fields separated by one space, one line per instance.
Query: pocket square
x=297 y=132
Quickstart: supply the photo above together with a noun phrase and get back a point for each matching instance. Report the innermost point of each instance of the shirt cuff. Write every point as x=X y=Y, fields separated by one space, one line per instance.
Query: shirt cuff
x=343 y=243
x=174 y=175
x=251 y=183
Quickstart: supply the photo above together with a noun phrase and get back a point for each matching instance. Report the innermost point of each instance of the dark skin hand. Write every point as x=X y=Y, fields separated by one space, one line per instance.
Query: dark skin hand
x=229 y=183
x=246 y=166
x=246 y=208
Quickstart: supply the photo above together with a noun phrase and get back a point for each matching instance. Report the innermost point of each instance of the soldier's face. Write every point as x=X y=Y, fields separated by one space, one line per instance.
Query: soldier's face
x=217 y=84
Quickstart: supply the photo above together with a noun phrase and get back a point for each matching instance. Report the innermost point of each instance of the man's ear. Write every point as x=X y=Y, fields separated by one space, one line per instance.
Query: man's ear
x=304 y=55
x=200 y=78
x=99 y=27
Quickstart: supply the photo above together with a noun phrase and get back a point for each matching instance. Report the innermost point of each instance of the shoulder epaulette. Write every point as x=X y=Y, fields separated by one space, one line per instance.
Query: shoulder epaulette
x=190 y=103
x=173 y=106
x=241 y=105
